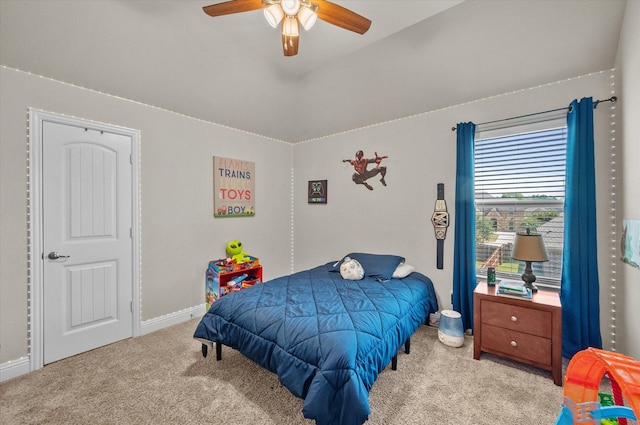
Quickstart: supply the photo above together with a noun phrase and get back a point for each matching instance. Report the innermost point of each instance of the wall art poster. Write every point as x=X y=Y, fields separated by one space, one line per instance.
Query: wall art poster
x=630 y=242
x=234 y=191
x=317 y=192
x=362 y=171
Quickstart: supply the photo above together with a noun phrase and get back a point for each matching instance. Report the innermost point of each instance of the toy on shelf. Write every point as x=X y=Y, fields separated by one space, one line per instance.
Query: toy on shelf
x=582 y=382
x=234 y=250
x=236 y=282
x=227 y=265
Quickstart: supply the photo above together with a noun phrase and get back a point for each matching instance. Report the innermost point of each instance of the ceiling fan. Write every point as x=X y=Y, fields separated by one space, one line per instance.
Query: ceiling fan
x=293 y=14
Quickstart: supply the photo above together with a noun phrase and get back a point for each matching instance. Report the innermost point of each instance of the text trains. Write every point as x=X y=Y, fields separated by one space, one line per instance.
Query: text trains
x=234 y=174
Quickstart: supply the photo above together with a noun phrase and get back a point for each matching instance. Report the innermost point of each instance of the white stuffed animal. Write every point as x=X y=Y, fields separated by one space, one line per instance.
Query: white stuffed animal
x=351 y=269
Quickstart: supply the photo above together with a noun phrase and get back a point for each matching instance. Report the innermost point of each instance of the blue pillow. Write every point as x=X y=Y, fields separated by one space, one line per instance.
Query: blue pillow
x=377 y=266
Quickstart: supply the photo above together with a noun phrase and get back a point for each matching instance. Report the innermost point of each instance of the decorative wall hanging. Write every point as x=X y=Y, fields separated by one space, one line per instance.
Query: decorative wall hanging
x=630 y=242
x=440 y=220
x=233 y=187
x=317 y=192
x=362 y=174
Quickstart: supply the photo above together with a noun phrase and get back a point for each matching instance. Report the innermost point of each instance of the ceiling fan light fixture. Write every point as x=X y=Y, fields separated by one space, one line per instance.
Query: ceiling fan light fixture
x=290 y=26
x=307 y=17
x=273 y=14
x=293 y=14
x=290 y=7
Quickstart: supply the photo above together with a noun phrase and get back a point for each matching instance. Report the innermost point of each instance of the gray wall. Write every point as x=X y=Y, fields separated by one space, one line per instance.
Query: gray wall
x=628 y=64
x=422 y=151
x=179 y=233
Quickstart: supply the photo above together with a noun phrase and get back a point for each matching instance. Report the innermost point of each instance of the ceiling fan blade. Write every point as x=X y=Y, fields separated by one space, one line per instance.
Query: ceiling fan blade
x=342 y=17
x=232 y=6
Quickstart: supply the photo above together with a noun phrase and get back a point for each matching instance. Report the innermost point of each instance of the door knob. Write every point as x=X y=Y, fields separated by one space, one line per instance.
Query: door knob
x=54 y=255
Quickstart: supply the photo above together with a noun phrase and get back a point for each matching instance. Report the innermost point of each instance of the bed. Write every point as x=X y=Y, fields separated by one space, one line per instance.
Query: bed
x=325 y=337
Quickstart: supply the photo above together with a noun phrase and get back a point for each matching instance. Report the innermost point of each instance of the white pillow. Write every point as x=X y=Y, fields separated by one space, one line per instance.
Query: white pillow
x=403 y=270
x=351 y=269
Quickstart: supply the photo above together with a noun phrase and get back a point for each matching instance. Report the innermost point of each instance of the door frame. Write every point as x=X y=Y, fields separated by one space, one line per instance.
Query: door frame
x=35 y=223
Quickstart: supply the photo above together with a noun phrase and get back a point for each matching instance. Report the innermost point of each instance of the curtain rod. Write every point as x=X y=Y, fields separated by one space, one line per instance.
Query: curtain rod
x=612 y=99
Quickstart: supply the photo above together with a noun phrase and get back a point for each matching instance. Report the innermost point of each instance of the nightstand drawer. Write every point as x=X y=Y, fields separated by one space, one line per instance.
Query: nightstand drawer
x=516 y=344
x=521 y=319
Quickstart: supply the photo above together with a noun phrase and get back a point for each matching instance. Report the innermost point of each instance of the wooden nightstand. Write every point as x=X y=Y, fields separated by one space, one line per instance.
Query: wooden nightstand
x=527 y=331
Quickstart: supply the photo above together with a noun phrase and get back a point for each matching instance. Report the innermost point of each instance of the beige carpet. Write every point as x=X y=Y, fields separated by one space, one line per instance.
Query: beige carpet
x=161 y=378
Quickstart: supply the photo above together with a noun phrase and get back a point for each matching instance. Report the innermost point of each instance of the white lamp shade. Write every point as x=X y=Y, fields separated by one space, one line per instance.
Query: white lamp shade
x=307 y=17
x=273 y=14
x=290 y=7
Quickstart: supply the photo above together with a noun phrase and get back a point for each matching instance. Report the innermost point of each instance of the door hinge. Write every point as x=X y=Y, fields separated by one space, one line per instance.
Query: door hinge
x=131 y=232
x=131 y=305
x=131 y=158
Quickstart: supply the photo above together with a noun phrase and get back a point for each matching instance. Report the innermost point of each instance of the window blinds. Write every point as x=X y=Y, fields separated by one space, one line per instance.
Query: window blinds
x=520 y=184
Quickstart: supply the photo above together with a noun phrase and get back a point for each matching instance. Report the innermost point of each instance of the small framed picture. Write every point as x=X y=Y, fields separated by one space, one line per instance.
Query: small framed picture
x=317 y=192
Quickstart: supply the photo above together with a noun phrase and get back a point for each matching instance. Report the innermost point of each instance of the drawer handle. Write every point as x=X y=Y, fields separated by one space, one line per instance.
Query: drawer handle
x=514 y=344
x=514 y=319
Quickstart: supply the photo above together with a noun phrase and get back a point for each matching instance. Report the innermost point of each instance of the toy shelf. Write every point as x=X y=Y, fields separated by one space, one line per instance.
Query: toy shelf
x=218 y=279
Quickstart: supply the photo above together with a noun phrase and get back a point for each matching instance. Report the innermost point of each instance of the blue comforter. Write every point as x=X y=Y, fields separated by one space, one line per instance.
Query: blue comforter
x=326 y=338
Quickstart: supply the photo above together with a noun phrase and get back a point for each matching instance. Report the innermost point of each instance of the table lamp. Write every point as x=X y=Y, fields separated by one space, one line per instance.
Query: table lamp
x=529 y=247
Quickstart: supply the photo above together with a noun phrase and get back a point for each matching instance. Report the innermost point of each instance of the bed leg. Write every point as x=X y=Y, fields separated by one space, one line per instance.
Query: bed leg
x=407 y=345
x=205 y=350
x=218 y=351
x=394 y=362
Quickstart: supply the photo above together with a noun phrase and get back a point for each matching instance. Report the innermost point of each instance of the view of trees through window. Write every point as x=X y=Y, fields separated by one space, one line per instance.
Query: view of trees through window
x=519 y=185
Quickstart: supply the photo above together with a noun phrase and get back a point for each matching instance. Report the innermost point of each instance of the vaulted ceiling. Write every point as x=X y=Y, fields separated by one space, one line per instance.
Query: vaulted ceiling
x=419 y=55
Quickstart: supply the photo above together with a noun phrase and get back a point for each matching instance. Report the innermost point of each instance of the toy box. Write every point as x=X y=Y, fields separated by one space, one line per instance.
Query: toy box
x=225 y=265
x=223 y=277
x=240 y=282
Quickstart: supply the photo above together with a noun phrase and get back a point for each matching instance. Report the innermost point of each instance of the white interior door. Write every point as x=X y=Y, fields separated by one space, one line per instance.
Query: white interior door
x=87 y=239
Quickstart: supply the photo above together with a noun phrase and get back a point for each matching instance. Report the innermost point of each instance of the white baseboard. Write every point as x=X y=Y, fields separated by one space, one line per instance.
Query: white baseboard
x=22 y=366
x=158 y=323
x=14 y=368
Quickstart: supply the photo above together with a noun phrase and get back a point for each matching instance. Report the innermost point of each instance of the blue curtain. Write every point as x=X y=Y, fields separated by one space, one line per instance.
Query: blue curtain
x=580 y=291
x=464 y=257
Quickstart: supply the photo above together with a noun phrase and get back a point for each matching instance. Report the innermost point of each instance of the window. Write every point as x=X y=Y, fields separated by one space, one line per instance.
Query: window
x=519 y=184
